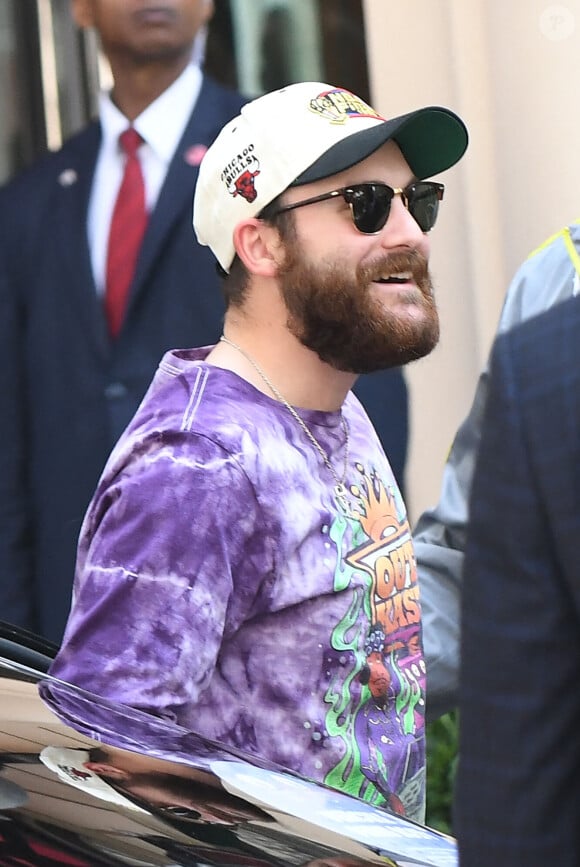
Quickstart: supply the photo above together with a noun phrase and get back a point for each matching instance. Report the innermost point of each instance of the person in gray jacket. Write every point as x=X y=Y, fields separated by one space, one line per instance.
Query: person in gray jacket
x=549 y=275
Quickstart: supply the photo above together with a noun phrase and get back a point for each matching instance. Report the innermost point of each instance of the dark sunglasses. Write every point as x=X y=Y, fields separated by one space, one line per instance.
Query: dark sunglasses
x=370 y=204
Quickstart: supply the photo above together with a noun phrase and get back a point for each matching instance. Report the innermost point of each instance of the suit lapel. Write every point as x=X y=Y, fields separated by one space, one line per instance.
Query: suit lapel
x=176 y=196
x=72 y=199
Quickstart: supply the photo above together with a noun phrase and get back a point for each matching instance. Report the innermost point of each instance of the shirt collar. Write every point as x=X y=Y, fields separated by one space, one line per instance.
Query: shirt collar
x=162 y=124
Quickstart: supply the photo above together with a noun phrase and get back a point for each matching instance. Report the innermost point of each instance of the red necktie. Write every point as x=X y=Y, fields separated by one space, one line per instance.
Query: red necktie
x=126 y=233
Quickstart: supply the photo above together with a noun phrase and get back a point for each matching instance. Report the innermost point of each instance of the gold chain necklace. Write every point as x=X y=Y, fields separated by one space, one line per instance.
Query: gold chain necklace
x=339 y=487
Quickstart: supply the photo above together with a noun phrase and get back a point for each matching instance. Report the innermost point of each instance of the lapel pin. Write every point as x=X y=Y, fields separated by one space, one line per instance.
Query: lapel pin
x=67 y=178
x=194 y=155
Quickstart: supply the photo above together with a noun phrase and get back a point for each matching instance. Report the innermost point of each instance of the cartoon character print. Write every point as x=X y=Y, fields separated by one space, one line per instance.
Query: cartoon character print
x=385 y=736
x=389 y=754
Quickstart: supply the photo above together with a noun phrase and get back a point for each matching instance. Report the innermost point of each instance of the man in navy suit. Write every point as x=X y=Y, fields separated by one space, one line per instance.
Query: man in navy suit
x=67 y=387
x=518 y=795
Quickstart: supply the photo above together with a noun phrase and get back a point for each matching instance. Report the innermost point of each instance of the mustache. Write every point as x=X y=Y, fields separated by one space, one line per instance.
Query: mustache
x=412 y=261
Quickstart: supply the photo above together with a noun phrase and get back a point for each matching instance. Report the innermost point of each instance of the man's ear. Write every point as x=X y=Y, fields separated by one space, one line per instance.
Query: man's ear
x=102 y=769
x=82 y=13
x=259 y=247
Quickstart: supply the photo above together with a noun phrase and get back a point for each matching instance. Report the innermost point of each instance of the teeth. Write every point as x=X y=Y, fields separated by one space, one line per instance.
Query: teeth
x=400 y=276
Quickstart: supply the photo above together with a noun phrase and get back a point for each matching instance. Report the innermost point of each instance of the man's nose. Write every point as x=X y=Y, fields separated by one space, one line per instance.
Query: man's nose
x=401 y=229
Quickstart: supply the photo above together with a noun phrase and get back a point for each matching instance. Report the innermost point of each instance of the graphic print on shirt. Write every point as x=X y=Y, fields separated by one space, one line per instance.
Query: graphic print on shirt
x=384 y=731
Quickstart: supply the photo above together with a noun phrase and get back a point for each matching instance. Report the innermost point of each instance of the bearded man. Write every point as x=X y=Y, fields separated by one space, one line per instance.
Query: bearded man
x=247 y=535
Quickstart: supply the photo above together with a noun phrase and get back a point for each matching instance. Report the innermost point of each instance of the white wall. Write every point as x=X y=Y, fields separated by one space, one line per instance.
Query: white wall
x=511 y=69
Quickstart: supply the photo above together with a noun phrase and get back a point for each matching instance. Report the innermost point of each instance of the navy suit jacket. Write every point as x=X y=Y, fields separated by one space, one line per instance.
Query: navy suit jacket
x=67 y=392
x=518 y=790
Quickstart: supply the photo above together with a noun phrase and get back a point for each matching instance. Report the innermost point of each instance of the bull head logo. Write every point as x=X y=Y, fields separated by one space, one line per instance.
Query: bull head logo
x=244 y=184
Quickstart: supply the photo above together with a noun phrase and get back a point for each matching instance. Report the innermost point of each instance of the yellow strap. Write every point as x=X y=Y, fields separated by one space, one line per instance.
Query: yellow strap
x=572 y=251
x=568 y=242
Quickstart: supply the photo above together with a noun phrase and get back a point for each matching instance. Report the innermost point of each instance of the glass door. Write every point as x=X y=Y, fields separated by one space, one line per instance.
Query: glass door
x=50 y=73
x=259 y=45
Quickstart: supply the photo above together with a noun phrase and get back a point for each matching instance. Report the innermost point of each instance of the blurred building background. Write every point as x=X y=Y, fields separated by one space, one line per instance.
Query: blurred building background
x=509 y=69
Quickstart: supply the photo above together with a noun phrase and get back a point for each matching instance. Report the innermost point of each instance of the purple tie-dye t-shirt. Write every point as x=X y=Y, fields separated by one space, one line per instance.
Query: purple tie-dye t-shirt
x=222 y=584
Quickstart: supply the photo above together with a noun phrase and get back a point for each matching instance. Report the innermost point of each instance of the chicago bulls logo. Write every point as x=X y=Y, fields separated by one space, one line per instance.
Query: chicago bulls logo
x=239 y=174
x=244 y=186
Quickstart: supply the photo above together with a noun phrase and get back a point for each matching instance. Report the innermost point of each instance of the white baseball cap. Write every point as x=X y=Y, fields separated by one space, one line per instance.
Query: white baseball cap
x=302 y=133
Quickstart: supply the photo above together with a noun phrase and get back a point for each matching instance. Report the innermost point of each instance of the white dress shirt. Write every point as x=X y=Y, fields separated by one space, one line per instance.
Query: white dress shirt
x=161 y=127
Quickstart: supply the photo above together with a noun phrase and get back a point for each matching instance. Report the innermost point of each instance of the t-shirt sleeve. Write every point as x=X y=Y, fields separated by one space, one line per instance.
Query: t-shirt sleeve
x=168 y=544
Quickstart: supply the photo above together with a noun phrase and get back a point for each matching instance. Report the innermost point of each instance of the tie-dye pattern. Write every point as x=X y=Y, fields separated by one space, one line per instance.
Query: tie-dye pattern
x=222 y=585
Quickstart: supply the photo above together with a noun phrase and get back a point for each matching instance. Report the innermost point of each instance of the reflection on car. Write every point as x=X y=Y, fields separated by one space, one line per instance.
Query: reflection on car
x=86 y=782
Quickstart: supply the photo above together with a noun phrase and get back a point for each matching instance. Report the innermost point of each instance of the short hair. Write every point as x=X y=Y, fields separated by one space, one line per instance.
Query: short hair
x=235 y=284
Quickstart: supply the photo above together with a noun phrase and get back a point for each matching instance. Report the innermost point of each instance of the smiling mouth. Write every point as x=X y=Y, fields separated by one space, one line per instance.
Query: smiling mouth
x=396 y=279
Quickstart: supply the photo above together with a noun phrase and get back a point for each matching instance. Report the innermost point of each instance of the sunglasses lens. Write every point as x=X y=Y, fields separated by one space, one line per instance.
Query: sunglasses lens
x=371 y=205
x=423 y=202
